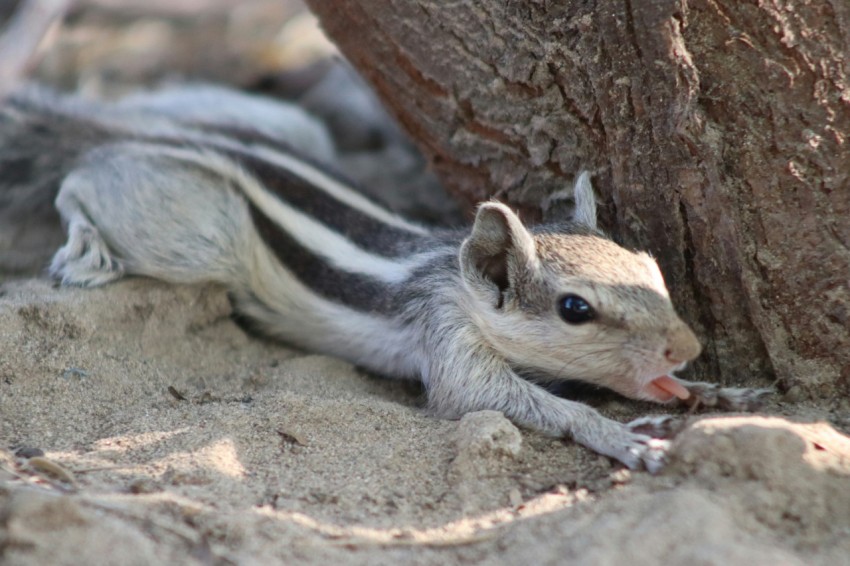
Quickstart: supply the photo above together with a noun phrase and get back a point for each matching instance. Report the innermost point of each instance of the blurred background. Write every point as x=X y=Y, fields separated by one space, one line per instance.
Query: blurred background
x=109 y=48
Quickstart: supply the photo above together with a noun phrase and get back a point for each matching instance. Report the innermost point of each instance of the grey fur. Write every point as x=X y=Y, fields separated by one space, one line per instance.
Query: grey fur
x=472 y=316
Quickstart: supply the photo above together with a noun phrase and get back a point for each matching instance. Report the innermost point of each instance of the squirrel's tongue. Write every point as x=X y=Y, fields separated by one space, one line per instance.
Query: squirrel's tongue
x=666 y=387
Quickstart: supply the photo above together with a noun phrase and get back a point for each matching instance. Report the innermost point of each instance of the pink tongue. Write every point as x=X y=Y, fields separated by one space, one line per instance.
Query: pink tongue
x=665 y=388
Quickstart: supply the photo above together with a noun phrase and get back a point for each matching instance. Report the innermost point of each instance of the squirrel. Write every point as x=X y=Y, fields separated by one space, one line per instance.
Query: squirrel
x=204 y=184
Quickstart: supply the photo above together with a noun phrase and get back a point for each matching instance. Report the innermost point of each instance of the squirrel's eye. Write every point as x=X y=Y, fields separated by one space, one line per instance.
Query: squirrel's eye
x=575 y=310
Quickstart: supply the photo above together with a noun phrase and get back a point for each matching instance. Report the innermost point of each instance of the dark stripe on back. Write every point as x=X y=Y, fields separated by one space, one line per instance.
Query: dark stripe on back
x=357 y=291
x=350 y=289
x=367 y=232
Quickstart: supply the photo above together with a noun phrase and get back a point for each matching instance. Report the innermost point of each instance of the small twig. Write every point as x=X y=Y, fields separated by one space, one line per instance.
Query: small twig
x=23 y=35
x=46 y=467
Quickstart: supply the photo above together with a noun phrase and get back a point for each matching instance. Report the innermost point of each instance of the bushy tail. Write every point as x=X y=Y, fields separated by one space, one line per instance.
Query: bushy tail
x=41 y=138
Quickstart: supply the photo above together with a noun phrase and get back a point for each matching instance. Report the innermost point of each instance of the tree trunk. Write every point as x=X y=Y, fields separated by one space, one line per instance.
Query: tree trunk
x=717 y=131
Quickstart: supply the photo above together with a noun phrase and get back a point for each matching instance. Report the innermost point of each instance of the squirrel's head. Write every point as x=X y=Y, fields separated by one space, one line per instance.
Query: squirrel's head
x=569 y=303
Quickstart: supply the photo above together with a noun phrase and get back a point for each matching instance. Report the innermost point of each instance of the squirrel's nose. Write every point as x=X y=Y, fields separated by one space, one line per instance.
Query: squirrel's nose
x=682 y=345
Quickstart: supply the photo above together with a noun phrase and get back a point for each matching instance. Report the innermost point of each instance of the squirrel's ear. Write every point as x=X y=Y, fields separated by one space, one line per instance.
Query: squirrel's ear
x=585 y=201
x=497 y=235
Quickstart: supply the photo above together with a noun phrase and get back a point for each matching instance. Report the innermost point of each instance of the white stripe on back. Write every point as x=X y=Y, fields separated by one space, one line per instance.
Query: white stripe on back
x=320 y=240
x=336 y=189
x=309 y=173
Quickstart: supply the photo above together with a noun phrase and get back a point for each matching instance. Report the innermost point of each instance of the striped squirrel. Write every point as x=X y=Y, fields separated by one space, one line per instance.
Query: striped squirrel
x=205 y=184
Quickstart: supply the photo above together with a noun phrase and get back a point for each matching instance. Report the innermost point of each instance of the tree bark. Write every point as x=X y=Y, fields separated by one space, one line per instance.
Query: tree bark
x=718 y=132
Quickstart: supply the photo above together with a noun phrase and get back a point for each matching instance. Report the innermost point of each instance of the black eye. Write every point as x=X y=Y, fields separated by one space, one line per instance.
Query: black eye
x=575 y=310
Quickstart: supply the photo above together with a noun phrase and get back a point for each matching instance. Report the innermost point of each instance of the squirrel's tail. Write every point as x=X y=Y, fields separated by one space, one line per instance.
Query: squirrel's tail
x=42 y=136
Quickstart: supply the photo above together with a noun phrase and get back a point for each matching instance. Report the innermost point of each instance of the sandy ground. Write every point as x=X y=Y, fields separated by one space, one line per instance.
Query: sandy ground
x=169 y=435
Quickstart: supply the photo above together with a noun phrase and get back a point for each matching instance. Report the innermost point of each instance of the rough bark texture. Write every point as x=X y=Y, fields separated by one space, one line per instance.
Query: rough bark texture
x=717 y=131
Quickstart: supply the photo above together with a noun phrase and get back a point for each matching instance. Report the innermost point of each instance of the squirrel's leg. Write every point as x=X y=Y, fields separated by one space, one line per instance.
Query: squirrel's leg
x=142 y=209
x=497 y=387
x=85 y=260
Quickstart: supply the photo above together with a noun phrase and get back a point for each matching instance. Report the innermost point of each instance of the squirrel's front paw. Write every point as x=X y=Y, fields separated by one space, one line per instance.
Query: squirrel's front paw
x=645 y=452
x=726 y=398
x=634 y=449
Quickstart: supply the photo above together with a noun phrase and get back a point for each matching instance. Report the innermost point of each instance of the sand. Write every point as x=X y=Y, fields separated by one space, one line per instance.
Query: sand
x=169 y=435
